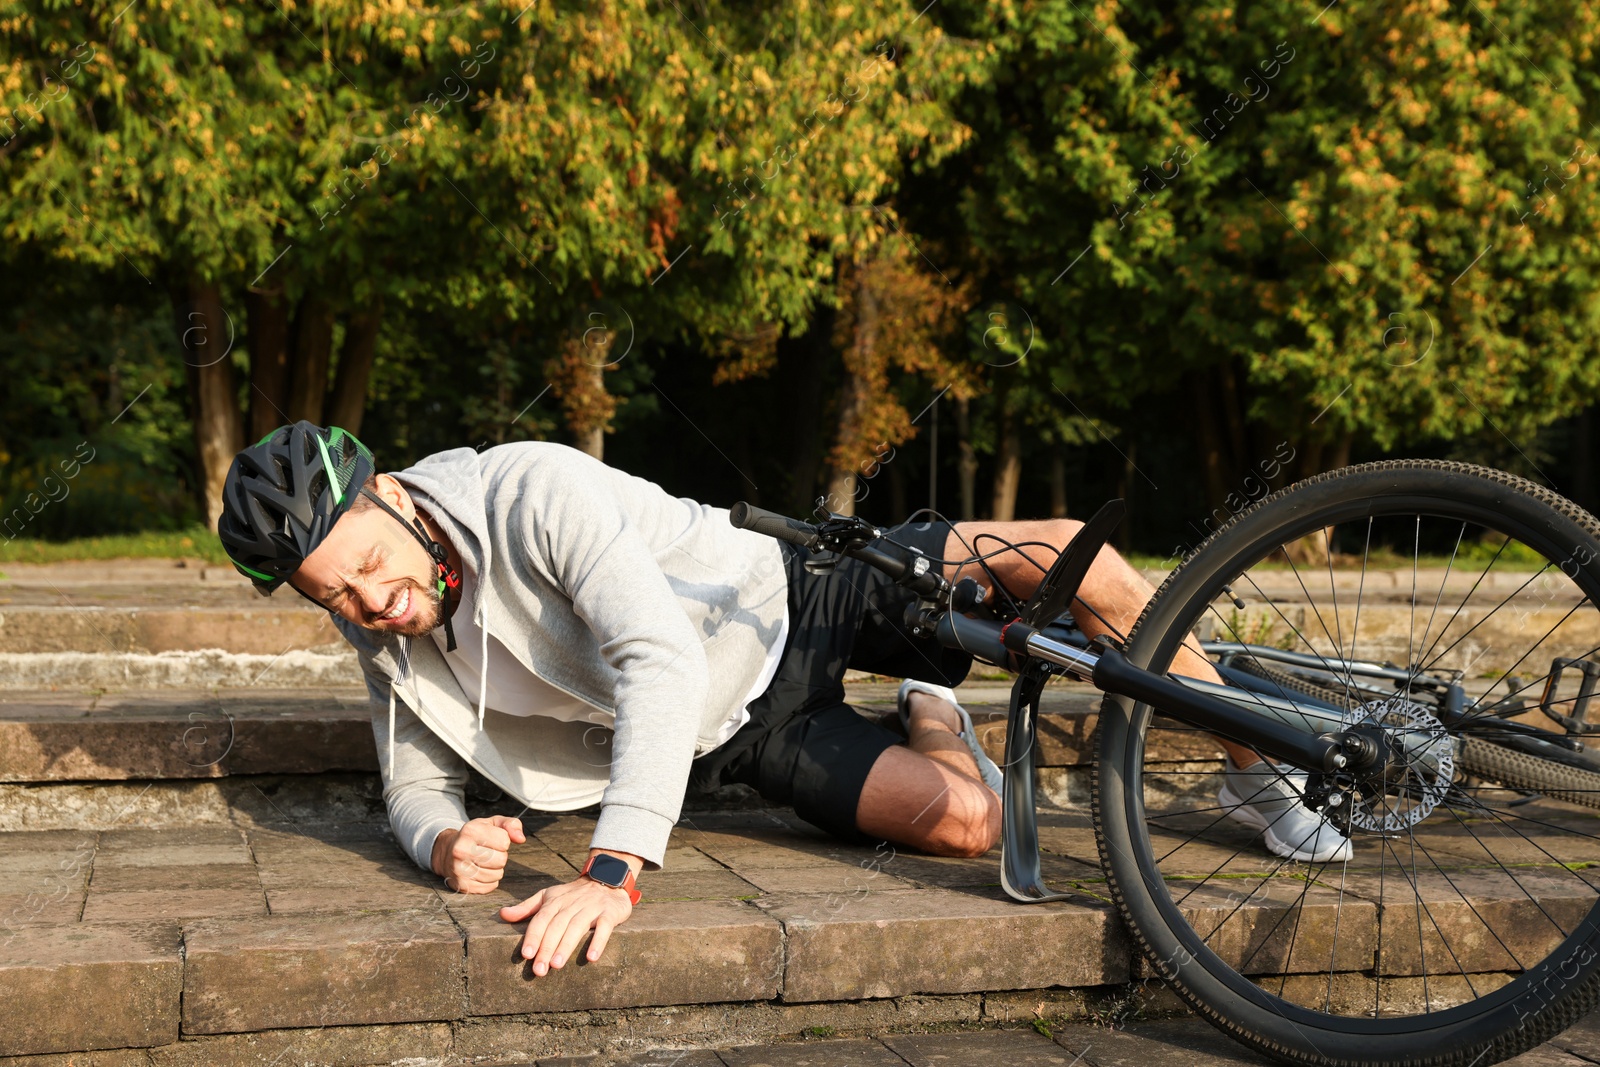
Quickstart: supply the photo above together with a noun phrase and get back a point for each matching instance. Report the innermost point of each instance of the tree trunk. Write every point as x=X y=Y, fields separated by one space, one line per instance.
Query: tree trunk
x=591 y=438
x=1341 y=452
x=349 y=400
x=1208 y=436
x=802 y=362
x=860 y=355
x=841 y=496
x=1234 y=421
x=313 y=345
x=1311 y=458
x=1007 y=467
x=1130 y=467
x=1315 y=549
x=966 y=461
x=897 y=493
x=213 y=389
x=268 y=322
x=1583 y=480
x=1311 y=550
x=1058 y=485
x=580 y=386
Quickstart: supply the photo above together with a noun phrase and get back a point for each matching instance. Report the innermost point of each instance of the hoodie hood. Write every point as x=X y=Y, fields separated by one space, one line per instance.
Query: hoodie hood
x=449 y=487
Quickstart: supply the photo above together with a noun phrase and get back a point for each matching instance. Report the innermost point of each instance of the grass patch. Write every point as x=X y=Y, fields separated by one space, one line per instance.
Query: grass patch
x=195 y=542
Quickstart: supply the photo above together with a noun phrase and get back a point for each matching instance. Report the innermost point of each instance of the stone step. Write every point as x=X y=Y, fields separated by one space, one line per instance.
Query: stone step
x=98 y=628
x=291 y=939
x=193 y=669
x=193 y=733
x=121 y=649
x=55 y=737
x=240 y=930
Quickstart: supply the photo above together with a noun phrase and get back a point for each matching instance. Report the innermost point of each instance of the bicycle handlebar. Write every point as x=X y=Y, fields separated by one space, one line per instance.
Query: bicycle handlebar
x=748 y=517
x=998 y=643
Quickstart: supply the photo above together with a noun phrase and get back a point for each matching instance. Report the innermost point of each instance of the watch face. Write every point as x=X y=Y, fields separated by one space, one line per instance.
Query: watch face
x=610 y=870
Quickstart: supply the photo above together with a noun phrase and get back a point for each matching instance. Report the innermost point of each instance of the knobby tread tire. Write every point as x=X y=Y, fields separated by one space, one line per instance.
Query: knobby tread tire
x=1522 y=770
x=1232 y=1016
x=1294 y=684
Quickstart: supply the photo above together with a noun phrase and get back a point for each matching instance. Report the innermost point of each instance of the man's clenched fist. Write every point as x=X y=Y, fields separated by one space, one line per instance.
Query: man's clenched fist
x=473 y=858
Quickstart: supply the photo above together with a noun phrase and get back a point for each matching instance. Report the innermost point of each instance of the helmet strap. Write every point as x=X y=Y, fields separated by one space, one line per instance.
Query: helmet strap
x=447 y=577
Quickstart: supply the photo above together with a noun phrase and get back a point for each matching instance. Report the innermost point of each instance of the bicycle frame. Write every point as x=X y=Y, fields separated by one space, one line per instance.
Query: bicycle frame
x=1278 y=730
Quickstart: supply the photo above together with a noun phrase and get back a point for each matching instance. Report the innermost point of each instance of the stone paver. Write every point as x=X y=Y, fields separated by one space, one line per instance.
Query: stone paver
x=696 y=885
x=172 y=848
x=676 y=952
x=862 y=1053
x=844 y=947
x=1581 y=1039
x=667 y=1057
x=1472 y=920
x=325 y=1046
x=1190 y=1042
x=131 y=975
x=1013 y=1048
x=183 y=734
x=356 y=968
x=165 y=904
x=262 y=627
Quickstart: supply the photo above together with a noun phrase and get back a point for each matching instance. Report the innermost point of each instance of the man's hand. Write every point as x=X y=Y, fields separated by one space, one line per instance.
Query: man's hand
x=473 y=858
x=564 y=913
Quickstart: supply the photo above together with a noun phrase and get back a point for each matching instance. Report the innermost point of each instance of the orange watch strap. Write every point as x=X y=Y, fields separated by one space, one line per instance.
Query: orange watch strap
x=629 y=884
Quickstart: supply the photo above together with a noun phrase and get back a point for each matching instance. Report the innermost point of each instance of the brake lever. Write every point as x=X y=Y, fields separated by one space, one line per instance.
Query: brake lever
x=838 y=532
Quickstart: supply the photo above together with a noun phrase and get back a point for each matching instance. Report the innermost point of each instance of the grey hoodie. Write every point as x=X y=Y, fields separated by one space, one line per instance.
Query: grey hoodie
x=602 y=584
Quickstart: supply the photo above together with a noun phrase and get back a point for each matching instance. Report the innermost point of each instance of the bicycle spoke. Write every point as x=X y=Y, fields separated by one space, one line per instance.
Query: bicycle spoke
x=1442 y=583
x=1473 y=849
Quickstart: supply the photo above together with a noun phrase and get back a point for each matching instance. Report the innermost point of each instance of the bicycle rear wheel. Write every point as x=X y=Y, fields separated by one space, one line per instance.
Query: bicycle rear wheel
x=1464 y=926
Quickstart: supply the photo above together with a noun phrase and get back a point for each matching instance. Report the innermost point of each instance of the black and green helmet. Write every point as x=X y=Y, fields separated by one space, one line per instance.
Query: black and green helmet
x=283 y=495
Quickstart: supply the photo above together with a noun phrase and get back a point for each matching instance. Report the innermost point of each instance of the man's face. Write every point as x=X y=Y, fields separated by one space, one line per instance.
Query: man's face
x=372 y=572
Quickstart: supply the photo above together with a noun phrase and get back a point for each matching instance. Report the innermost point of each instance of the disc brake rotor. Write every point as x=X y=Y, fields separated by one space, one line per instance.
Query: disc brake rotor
x=1420 y=770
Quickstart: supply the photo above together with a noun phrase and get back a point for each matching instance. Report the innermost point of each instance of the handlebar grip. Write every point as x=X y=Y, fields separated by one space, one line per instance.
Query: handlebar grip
x=748 y=517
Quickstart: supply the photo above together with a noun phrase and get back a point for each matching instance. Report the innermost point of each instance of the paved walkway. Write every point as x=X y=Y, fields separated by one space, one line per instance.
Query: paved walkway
x=1178 y=1042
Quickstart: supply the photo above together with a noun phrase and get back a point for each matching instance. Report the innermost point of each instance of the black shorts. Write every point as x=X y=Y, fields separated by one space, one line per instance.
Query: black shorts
x=804 y=746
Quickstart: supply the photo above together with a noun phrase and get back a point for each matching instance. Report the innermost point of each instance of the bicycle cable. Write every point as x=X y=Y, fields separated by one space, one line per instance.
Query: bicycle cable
x=1007 y=546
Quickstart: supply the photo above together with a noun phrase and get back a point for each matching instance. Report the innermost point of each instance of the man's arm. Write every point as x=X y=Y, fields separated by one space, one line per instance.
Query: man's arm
x=424 y=784
x=603 y=564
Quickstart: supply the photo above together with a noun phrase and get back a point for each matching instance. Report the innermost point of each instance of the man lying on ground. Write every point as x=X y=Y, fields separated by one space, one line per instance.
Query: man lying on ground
x=580 y=636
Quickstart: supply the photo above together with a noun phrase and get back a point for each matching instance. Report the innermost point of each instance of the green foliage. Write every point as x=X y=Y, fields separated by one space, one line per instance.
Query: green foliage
x=191 y=542
x=92 y=429
x=1368 y=230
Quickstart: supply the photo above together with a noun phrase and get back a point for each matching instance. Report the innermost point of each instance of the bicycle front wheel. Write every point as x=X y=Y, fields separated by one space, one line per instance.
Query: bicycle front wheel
x=1454 y=604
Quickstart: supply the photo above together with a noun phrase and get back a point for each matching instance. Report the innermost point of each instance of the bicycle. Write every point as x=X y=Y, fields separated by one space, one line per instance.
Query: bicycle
x=1465 y=926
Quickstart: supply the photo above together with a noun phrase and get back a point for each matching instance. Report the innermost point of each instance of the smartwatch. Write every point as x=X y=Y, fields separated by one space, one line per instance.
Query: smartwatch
x=614 y=872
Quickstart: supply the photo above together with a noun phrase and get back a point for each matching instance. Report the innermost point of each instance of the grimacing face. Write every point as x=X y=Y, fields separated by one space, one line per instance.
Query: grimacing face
x=372 y=572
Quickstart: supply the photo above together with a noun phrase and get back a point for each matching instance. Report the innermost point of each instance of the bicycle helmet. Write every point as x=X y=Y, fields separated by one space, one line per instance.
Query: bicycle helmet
x=282 y=496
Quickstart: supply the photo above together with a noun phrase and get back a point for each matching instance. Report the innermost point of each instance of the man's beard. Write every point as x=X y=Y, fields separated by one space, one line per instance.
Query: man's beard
x=428 y=614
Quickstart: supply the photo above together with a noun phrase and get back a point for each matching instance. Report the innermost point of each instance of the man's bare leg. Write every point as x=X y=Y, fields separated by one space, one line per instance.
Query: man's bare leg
x=928 y=793
x=1117 y=592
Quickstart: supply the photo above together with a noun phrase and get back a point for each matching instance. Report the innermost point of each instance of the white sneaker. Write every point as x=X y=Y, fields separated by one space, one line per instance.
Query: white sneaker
x=986 y=766
x=1268 y=798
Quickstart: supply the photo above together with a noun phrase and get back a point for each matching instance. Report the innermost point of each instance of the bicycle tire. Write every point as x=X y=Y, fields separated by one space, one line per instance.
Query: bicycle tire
x=1521 y=770
x=1475 y=755
x=1540 y=998
x=1291 y=683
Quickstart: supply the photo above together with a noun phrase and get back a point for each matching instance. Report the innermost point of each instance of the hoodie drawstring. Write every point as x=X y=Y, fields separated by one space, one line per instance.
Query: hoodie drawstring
x=405 y=672
x=483 y=658
x=391 y=729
